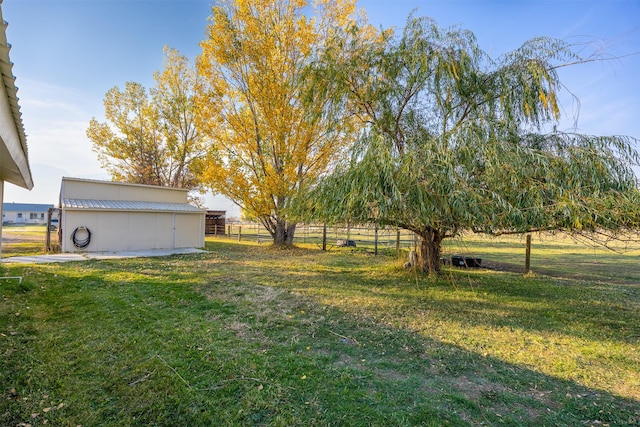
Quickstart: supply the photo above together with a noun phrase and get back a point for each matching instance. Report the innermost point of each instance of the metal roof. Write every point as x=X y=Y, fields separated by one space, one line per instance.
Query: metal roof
x=25 y=207
x=128 y=205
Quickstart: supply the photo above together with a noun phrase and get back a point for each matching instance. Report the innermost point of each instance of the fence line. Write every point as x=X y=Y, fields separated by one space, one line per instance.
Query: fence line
x=369 y=238
x=388 y=239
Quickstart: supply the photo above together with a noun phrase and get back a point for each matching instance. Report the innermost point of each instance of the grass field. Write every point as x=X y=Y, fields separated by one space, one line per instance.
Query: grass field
x=557 y=255
x=20 y=240
x=251 y=335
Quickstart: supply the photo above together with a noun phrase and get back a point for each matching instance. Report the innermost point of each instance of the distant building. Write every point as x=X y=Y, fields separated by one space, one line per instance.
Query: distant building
x=214 y=223
x=25 y=213
x=14 y=162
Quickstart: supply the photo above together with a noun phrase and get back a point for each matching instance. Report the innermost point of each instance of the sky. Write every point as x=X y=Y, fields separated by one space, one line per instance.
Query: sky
x=68 y=53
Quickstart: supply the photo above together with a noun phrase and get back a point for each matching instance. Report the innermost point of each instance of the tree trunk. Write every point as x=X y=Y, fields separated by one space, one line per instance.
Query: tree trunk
x=284 y=232
x=429 y=250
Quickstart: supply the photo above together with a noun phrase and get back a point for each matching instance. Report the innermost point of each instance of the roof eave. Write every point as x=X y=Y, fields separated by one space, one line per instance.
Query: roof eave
x=21 y=175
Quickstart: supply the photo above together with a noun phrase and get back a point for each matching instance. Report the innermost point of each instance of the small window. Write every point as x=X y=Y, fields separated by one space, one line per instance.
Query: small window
x=42 y=216
x=33 y=215
x=19 y=214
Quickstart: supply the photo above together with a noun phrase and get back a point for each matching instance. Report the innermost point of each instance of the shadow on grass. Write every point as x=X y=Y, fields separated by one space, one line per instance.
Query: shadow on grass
x=588 y=311
x=246 y=336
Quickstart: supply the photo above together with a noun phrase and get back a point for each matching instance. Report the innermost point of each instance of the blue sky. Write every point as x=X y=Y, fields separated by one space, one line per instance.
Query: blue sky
x=68 y=53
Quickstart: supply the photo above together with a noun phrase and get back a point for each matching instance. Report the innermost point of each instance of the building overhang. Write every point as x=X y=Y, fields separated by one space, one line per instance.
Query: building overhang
x=14 y=160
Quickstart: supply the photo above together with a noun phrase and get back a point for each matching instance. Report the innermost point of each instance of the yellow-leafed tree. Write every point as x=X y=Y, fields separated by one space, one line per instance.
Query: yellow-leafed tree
x=150 y=136
x=274 y=115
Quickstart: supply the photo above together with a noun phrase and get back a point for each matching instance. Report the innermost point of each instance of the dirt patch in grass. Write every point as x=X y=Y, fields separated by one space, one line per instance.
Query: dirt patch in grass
x=475 y=390
x=242 y=330
x=502 y=266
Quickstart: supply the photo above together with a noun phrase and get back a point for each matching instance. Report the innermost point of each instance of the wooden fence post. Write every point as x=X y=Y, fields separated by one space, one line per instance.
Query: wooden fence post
x=48 y=239
x=397 y=243
x=527 y=258
x=239 y=233
x=324 y=237
x=375 y=240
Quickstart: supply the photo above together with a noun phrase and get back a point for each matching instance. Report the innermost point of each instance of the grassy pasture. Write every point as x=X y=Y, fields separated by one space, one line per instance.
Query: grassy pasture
x=251 y=335
x=557 y=255
x=20 y=240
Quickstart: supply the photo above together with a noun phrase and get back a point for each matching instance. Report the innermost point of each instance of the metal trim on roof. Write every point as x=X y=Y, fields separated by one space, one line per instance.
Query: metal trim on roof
x=128 y=205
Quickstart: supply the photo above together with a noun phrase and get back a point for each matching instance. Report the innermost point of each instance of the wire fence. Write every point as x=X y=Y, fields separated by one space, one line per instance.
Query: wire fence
x=369 y=238
x=547 y=253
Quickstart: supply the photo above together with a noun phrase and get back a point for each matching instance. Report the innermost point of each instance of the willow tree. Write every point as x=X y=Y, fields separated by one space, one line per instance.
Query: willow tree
x=458 y=141
x=274 y=125
x=149 y=136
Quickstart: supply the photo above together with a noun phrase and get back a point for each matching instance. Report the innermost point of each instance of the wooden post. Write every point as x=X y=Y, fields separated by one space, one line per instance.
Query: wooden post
x=48 y=240
x=239 y=233
x=397 y=243
x=527 y=258
x=229 y=231
x=324 y=237
x=375 y=240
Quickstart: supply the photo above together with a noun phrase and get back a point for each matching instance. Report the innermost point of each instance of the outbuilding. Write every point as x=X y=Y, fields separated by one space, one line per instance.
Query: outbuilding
x=104 y=216
x=215 y=223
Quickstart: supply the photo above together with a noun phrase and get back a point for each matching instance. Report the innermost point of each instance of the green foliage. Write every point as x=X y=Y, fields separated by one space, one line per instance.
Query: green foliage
x=454 y=140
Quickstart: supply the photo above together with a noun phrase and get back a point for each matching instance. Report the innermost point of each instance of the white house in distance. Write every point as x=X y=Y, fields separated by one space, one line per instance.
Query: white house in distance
x=24 y=213
x=104 y=216
x=14 y=162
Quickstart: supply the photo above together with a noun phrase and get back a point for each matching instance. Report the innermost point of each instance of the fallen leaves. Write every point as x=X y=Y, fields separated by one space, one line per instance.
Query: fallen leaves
x=53 y=408
x=45 y=410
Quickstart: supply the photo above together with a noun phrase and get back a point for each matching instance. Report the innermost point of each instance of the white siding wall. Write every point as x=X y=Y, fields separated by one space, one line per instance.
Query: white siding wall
x=96 y=190
x=130 y=231
x=24 y=217
x=189 y=231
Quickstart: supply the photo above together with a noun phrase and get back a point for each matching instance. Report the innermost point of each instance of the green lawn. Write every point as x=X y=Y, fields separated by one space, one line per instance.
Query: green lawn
x=251 y=335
